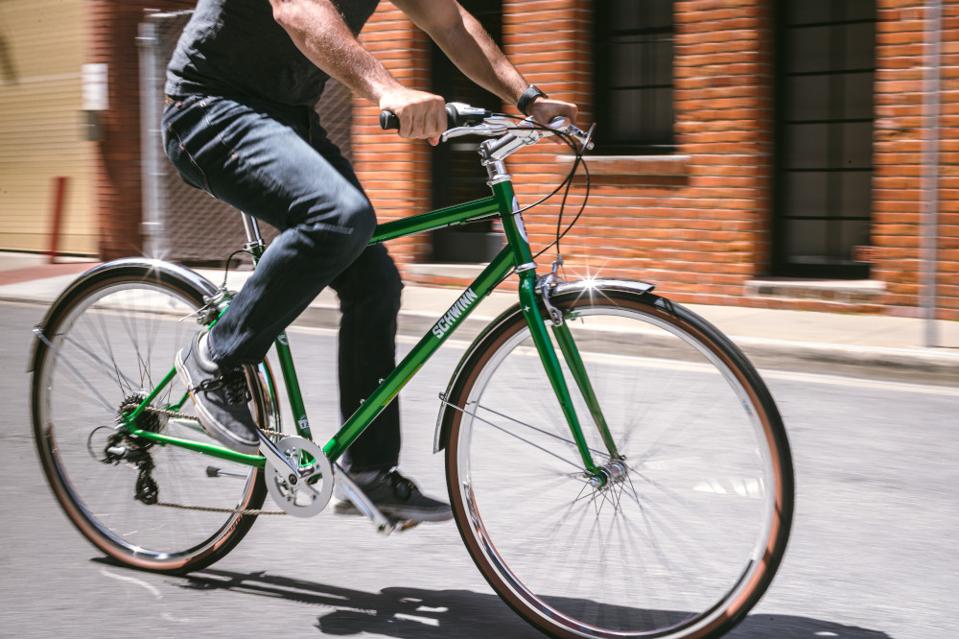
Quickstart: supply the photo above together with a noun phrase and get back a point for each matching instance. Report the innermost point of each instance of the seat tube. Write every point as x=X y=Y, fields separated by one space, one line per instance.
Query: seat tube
x=518 y=240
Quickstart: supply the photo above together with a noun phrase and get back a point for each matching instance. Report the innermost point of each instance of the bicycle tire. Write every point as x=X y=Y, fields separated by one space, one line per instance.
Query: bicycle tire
x=121 y=280
x=502 y=559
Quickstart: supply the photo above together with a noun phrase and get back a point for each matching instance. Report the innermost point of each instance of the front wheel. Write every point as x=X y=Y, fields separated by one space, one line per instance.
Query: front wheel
x=684 y=542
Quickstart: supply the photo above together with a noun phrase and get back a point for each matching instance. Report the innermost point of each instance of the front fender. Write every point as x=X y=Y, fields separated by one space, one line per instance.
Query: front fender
x=562 y=290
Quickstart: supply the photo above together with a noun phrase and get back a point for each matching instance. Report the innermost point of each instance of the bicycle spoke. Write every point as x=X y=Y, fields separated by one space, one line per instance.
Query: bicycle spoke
x=103 y=349
x=668 y=535
x=514 y=435
x=570 y=442
x=110 y=370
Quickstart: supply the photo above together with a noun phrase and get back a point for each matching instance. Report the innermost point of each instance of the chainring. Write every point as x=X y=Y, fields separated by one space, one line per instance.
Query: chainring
x=309 y=495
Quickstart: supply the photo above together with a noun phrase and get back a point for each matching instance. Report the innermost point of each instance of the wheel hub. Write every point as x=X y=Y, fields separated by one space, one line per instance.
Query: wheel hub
x=612 y=473
x=147 y=420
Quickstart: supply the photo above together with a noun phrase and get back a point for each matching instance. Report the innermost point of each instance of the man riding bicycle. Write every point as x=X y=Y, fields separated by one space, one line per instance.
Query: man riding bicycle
x=240 y=124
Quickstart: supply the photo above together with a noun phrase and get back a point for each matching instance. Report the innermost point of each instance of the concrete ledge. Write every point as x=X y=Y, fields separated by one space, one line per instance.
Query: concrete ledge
x=632 y=165
x=466 y=270
x=850 y=291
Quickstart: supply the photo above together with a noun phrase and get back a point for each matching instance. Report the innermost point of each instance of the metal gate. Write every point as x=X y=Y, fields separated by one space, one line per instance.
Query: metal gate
x=182 y=223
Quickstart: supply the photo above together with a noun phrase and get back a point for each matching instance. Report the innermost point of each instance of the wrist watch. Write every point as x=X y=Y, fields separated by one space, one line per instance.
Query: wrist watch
x=526 y=99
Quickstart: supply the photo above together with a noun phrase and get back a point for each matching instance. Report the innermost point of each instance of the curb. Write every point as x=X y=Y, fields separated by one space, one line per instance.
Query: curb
x=913 y=365
x=916 y=365
x=939 y=367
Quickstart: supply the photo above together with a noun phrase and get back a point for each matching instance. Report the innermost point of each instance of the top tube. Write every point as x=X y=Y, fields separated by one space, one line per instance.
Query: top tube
x=457 y=214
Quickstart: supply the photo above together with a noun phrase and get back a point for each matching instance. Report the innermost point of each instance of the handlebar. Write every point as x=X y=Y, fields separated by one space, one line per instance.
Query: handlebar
x=464 y=119
x=457 y=114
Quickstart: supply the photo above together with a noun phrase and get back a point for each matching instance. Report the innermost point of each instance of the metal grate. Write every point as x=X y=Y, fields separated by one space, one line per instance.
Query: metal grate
x=183 y=223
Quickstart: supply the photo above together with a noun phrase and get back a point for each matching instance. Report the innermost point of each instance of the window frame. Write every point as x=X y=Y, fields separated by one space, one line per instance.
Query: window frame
x=602 y=42
x=782 y=262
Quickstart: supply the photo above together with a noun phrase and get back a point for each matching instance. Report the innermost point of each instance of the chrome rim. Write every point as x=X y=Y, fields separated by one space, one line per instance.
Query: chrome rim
x=116 y=342
x=650 y=556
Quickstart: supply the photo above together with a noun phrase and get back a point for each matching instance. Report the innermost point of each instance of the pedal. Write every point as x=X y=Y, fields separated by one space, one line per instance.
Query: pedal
x=383 y=524
x=402 y=525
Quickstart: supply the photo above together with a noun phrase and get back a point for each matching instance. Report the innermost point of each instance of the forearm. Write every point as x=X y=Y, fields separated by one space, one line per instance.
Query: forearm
x=472 y=50
x=319 y=32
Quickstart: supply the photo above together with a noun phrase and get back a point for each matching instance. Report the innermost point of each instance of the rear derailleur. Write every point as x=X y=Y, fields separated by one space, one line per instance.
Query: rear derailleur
x=121 y=447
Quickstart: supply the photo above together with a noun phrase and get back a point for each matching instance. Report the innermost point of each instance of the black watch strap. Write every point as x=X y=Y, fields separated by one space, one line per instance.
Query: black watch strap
x=531 y=93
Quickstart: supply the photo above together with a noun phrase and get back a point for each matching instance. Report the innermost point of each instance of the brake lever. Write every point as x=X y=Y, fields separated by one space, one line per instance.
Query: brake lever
x=487 y=130
x=561 y=124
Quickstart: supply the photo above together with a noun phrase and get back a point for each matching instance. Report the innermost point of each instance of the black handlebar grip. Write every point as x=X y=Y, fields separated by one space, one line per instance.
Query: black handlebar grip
x=389 y=120
x=454 y=117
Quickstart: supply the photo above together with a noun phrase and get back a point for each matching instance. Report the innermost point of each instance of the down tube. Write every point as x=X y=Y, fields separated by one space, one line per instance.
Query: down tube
x=491 y=276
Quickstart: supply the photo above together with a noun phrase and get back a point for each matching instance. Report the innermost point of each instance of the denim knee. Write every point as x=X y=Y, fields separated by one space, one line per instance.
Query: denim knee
x=346 y=230
x=358 y=214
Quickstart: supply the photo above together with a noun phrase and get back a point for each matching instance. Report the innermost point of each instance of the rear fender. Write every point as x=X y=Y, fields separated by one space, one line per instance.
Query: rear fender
x=146 y=269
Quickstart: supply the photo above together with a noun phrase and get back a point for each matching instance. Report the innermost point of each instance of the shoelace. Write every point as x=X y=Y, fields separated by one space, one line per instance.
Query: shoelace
x=402 y=487
x=234 y=386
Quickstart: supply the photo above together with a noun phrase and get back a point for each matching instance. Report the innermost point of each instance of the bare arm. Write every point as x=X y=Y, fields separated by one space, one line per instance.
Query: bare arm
x=318 y=30
x=469 y=47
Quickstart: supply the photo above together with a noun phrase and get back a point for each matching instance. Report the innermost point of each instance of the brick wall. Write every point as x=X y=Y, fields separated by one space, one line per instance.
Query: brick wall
x=700 y=234
x=395 y=172
x=700 y=231
x=698 y=223
x=898 y=150
x=949 y=186
x=900 y=131
x=118 y=196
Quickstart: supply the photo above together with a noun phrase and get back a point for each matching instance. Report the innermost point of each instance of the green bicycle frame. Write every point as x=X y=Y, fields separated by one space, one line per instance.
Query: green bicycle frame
x=515 y=256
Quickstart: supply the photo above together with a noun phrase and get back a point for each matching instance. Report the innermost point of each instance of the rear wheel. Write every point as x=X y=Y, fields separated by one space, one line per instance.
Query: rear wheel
x=104 y=346
x=684 y=541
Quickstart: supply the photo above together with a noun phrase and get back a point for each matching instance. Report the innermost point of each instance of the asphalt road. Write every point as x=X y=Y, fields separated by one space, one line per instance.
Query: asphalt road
x=871 y=555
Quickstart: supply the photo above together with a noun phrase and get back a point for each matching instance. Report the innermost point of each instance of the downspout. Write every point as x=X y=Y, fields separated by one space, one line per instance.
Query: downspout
x=930 y=173
x=152 y=226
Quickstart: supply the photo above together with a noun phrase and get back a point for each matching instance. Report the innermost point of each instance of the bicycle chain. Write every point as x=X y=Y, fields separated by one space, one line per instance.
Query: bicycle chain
x=174 y=414
x=211 y=509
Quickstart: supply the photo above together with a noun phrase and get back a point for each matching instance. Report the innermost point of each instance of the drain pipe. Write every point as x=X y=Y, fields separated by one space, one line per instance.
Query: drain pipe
x=930 y=173
x=152 y=225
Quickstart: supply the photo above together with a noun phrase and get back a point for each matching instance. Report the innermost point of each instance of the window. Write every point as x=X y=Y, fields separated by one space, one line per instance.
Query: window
x=457 y=174
x=824 y=117
x=633 y=71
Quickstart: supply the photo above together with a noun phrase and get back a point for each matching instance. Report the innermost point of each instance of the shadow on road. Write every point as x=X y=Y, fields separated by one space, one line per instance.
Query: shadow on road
x=414 y=613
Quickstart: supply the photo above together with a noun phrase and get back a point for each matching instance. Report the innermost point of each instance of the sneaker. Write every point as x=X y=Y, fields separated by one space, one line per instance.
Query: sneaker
x=222 y=397
x=396 y=497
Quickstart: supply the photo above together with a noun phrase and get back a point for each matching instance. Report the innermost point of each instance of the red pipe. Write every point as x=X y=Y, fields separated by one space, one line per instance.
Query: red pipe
x=59 y=201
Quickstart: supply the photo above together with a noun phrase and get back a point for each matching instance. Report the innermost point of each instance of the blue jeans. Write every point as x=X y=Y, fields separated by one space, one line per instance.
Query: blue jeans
x=276 y=164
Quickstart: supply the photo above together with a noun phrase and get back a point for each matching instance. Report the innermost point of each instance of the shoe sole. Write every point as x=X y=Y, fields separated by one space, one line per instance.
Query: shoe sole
x=210 y=426
x=400 y=513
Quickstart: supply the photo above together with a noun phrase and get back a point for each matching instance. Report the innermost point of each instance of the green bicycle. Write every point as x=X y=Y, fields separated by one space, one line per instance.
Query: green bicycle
x=615 y=465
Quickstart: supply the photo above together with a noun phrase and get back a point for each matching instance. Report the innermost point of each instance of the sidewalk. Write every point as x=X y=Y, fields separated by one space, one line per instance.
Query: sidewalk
x=859 y=345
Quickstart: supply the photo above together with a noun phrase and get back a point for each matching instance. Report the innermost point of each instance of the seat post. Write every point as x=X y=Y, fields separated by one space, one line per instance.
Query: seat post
x=254 y=241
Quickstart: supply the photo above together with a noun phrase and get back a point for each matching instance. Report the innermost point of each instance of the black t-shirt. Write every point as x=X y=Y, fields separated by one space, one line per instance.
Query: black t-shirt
x=236 y=48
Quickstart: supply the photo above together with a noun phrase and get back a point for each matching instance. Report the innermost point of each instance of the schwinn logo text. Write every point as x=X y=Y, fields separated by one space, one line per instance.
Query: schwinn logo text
x=459 y=307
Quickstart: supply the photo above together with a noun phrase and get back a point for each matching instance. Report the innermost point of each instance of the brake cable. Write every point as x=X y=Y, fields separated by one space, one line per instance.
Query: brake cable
x=565 y=184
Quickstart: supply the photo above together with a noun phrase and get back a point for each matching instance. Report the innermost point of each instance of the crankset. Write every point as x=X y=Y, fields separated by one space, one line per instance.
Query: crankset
x=299 y=476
